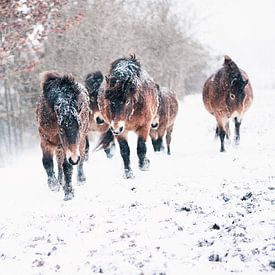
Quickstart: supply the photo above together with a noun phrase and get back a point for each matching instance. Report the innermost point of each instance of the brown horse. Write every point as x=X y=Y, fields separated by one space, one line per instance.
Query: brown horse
x=228 y=94
x=97 y=124
x=164 y=120
x=63 y=116
x=129 y=102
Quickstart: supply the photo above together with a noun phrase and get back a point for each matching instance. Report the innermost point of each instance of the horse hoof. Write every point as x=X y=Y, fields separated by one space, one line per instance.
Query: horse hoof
x=81 y=180
x=145 y=165
x=53 y=184
x=68 y=196
x=86 y=157
x=128 y=174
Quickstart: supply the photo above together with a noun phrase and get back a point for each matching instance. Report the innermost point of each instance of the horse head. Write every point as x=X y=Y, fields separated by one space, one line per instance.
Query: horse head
x=120 y=91
x=62 y=94
x=235 y=81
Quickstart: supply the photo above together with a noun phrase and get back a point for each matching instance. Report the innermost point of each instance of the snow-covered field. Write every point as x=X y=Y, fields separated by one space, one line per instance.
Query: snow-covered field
x=198 y=211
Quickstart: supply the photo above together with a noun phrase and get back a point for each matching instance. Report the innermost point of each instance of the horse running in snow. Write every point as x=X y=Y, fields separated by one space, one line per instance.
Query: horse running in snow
x=164 y=120
x=129 y=102
x=228 y=94
x=62 y=113
x=97 y=124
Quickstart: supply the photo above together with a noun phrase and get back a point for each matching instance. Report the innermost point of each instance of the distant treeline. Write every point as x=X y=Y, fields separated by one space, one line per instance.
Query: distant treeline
x=93 y=34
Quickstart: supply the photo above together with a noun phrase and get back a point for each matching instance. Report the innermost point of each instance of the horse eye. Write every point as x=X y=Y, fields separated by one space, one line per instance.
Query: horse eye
x=128 y=102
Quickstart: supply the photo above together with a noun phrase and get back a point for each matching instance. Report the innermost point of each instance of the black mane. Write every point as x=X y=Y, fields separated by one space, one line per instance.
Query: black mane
x=93 y=82
x=58 y=88
x=124 y=69
x=233 y=72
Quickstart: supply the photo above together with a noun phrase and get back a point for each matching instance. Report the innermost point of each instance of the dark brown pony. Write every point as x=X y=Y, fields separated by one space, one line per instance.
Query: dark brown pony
x=129 y=102
x=228 y=94
x=97 y=124
x=63 y=116
x=164 y=120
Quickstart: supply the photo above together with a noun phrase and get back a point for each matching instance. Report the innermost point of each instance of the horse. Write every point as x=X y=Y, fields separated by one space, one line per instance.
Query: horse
x=129 y=102
x=164 y=120
x=97 y=124
x=62 y=113
x=228 y=94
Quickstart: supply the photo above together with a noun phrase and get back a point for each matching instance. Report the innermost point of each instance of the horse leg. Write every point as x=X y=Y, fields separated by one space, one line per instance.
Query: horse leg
x=109 y=147
x=125 y=154
x=237 y=130
x=159 y=143
x=80 y=173
x=168 y=138
x=154 y=137
x=47 y=160
x=60 y=155
x=87 y=147
x=222 y=123
x=144 y=162
x=109 y=151
x=227 y=130
x=68 y=189
x=83 y=153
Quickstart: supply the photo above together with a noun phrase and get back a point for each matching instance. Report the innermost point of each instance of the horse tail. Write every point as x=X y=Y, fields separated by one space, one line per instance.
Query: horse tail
x=106 y=141
x=93 y=81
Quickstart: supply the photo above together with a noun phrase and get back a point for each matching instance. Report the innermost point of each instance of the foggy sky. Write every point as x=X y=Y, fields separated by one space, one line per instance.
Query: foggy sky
x=243 y=29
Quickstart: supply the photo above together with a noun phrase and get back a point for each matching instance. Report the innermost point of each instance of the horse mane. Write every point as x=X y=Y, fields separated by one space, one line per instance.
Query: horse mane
x=123 y=76
x=58 y=88
x=93 y=81
x=125 y=67
x=232 y=70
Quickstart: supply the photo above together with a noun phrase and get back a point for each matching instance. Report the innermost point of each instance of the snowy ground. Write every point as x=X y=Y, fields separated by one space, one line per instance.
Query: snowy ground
x=198 y=211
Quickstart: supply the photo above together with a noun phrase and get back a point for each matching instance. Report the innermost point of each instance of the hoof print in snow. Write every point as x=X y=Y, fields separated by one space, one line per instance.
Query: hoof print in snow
x=215 y=226
x=225 y=198
x=68 y=196
x=184 y=209
x=214 y=258
x=97 y=269
x=38 y=263
x=124 y=236
x=272 y=264
x=205 y=243
x=247 y=196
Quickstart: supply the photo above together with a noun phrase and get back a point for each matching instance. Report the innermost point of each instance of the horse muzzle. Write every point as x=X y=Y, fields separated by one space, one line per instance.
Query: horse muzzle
x=117 y=129
x=74 y=161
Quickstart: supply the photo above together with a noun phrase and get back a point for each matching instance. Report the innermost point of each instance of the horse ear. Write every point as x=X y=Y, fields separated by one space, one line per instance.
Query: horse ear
x=227 y=60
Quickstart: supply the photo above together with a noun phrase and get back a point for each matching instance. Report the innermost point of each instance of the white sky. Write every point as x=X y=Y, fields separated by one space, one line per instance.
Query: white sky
x=243 y=29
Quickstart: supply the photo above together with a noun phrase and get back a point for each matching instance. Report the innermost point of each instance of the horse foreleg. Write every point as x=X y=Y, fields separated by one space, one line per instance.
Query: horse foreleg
x=125 y=154
x=168 y=138
x=87 y=147
x=80 y=173
x=60 y=155
x=47 y=161
x=68 y=171
x=109 y=147
x=222 y=130
x=84 y=150
x=144 y=163
x=109 y=151
x=237 y=130
x=154 y=137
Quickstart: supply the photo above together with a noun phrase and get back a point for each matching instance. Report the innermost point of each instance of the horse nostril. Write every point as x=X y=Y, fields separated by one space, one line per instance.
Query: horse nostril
x=72 y=162
x=99 y=120
x=121 y=129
